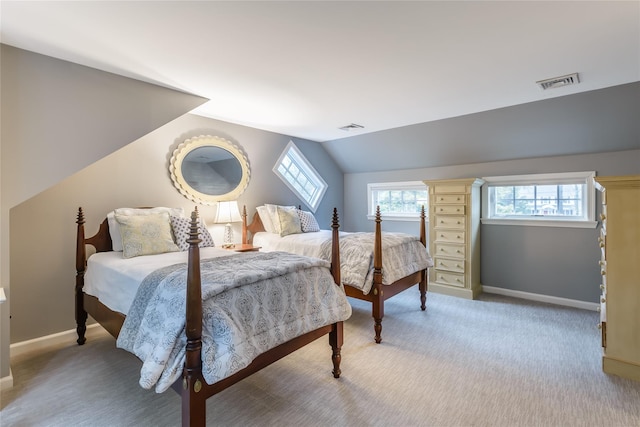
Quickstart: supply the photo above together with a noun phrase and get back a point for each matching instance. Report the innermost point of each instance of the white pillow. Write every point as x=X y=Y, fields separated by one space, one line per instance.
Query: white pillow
x=308 y=222
x=266 y=219
x=114 y=227
x=289 y=220
x=275 y=219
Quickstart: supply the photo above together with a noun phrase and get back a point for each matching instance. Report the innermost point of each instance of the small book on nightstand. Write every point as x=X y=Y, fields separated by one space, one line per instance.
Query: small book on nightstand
x=243 y=247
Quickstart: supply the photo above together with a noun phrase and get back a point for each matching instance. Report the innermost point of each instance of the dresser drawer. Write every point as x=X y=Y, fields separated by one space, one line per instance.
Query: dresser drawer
x=452 y=199
x=451 y=279
x=449 y=250
x=449 y=209
x=455 y=265
x=448 y=188
x=456 y=222
x=449 y=236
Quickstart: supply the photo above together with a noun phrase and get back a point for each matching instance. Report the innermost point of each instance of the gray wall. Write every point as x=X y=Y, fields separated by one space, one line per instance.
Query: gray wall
x=58 y=117
x=589 y=122
x=42 y=226
x=559 y=262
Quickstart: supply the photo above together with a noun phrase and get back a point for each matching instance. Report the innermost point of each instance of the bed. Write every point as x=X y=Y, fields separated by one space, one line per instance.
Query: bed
x=367 y=272
x=199 y=323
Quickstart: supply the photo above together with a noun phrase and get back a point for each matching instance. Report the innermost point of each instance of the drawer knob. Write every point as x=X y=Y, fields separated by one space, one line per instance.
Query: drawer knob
x=458 y=266
x=458 y=251
x=441 y=222
x=459 y=237
x=603 y=300
x=458 y=222
x=441 y=249
x=603 y=272
x=458 y=280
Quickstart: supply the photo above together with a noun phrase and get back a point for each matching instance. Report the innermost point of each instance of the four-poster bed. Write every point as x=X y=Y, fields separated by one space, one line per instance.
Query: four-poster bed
x=191 y=385
x=410 y=257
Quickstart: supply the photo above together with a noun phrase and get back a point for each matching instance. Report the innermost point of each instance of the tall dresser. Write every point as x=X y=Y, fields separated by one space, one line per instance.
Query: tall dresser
x=620 y=271
x=454 y=236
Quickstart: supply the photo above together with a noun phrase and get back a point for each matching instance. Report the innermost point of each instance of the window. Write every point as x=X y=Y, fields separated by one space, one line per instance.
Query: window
x=400 y=201
x=556 y=200
x=296 y=171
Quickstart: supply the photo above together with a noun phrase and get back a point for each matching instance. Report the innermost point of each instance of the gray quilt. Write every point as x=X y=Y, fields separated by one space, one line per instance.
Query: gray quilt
x=402 y=254
x=252 y=302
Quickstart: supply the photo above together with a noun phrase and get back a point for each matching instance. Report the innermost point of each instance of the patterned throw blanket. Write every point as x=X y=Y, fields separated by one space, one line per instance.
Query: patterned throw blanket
x=402 y=254
x=252 y=302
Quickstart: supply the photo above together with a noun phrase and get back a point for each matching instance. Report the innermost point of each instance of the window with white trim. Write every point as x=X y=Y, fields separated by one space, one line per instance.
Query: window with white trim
x=554 y=200
x=401 y=201
x=301 y=178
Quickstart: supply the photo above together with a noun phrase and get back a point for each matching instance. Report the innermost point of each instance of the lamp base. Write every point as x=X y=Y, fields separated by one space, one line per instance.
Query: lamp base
x=227 y=241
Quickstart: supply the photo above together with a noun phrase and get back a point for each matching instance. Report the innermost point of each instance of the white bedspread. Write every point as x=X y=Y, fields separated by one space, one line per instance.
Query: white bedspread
x=114 y=280
x=251 y=303
x=402 y=254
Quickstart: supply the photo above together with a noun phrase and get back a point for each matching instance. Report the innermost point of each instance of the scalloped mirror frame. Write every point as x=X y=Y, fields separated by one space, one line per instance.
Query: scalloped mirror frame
x=175 y=168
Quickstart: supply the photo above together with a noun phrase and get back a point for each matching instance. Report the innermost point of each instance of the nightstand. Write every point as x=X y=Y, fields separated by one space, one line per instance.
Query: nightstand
x=243 y=247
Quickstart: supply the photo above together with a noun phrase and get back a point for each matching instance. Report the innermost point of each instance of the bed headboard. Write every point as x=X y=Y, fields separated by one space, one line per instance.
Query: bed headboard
x=248 y=230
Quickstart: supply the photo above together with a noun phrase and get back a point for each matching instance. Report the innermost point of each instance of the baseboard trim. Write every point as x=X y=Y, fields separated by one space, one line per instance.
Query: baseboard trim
x=60 y=338
x=6 y=382
x=542 y=298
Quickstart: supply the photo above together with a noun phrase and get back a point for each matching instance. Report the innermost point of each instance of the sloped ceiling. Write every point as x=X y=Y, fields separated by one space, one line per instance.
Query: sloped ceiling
x=306 y=68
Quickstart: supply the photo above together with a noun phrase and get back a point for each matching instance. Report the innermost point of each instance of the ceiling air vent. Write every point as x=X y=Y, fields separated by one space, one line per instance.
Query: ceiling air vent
x=351 y=127
x=554 y=82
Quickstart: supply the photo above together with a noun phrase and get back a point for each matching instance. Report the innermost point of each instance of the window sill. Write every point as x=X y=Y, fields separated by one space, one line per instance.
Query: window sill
x=540 y=223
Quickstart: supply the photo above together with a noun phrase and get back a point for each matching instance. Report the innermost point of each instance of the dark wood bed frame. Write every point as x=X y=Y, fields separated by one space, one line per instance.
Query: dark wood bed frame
x=192 y=388
x=379 y=292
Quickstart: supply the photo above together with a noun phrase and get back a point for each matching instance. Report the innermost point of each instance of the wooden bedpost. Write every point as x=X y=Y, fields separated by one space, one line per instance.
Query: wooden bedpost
x=378 y=292
x=193 y=401
x=244 y=225
x=81 y=265
x=424 y=275
x=336 y=336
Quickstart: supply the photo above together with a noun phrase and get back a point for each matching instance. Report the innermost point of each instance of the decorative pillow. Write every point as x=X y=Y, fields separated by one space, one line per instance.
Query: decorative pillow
x=181 y=228
x=289 y=220
x=266 y=219
x=275 y=218
x=114 y=228
x=145 y=234
x=308 y=222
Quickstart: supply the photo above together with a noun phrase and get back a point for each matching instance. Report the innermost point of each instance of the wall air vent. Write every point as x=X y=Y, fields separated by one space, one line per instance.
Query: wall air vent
x=569 y=79
x=352 y=126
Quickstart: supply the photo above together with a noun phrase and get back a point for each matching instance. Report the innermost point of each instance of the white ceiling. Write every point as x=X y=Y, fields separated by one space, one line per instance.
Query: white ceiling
x=306 y=68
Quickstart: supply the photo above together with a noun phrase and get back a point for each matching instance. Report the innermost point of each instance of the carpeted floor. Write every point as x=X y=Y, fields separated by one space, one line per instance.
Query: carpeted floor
x=495 y=361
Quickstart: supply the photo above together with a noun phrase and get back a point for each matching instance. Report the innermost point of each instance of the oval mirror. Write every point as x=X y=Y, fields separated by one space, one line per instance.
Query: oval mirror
x=207 y=169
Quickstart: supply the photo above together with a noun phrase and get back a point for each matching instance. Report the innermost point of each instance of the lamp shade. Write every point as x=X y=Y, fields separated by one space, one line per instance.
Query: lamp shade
x=227 y=212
